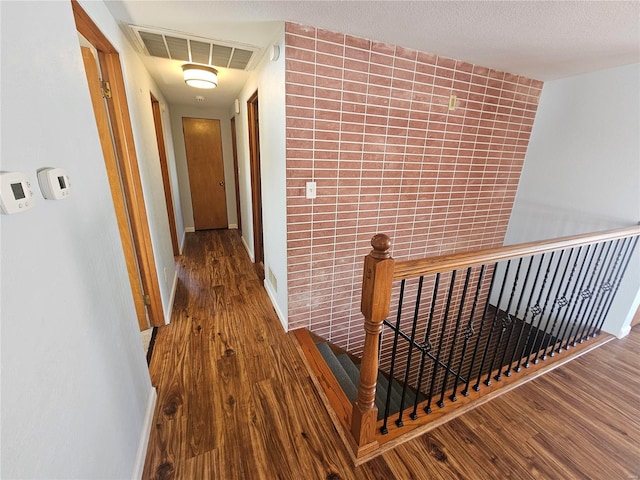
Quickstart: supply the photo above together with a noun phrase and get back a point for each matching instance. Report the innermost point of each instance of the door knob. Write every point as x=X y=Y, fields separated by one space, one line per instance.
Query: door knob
x=221 y=184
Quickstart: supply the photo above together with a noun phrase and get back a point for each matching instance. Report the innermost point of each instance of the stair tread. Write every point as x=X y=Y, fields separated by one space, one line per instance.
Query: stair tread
x=350 y=390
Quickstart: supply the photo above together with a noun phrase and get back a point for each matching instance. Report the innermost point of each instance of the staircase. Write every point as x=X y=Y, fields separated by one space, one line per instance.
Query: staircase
x=347 y=373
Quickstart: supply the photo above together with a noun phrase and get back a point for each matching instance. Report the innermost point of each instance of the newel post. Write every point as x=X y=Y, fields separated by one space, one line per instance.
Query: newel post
x=377 y=282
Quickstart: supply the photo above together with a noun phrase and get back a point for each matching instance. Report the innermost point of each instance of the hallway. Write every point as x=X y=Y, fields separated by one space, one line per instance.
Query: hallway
x=236 y=402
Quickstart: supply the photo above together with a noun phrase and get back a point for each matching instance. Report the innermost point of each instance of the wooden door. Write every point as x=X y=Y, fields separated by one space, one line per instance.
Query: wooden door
x=116 y=139
x=203 y=144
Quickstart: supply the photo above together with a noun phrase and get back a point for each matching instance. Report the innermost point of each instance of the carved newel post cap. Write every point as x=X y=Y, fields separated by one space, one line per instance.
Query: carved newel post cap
x=381 y=244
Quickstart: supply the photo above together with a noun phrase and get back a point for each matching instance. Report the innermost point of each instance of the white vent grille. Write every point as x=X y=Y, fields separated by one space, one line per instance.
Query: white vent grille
x=178 y=46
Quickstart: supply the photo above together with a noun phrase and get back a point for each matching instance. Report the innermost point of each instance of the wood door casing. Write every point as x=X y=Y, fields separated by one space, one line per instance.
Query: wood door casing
x=256 y=177
x=166 y=180
x=234 y=140
x=127 y=162
x=203 y=144
x=104 y=132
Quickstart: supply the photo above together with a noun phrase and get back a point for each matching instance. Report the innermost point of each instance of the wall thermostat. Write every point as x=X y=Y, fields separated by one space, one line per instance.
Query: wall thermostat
x=15 y=193
x=54 y=183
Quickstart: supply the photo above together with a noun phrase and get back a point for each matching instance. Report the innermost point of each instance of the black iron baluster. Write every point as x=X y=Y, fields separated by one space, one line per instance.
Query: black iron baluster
x=507 y=322
x=547 y=334
x=586 y=295
x=537 y=311
x=566 y=316
x=468 y=333
x=455 y=337
x=596 y=292
x=426 y=344
x=560 y=301
x=575 y=293
x=427 y=408
x=605 y=287
x=476 y=387
x=407 y=370
x=465 y=392
x=526 y=313
x=618 y=280
x=384 y=430
x=517 y=343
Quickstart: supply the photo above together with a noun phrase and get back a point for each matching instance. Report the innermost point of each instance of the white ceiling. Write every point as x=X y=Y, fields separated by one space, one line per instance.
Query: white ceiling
x=545 y=40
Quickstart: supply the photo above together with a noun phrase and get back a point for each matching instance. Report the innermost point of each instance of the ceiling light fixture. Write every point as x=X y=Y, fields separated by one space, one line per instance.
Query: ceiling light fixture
x=200 y=76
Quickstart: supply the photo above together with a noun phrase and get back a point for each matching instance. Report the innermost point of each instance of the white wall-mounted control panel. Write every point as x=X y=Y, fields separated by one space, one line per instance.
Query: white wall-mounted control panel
x=15 y=193
x=54 y=183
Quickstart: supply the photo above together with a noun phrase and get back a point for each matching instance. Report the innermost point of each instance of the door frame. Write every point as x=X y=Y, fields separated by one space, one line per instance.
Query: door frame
x=127 y=171
x=256 y=187
x=234 y=143
x=164 y=169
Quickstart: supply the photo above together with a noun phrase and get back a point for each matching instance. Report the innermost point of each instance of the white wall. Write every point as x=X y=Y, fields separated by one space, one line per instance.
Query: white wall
x=269 y=80
x=139 y=85
x=582 y=169
x=177 y=113
x=75 y=385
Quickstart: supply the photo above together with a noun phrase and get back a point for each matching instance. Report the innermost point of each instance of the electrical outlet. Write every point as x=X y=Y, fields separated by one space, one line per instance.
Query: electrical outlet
x=311 y=189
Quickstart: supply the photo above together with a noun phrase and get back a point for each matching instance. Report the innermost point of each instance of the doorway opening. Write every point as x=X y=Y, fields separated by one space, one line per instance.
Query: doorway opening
x=256 y=188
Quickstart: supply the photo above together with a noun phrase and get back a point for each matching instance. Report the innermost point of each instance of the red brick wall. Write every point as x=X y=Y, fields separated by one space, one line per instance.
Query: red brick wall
x=370 y=123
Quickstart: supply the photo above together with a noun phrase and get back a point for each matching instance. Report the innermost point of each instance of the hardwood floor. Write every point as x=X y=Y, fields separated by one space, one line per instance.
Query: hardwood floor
x=236 y=402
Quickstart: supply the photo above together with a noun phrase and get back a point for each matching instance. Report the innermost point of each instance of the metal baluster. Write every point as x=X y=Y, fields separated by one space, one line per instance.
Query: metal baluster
x=618 y=280
x=384 y=430
x=407 y=370
x=426 y=344
x=568 y=313
x=468 y=333
x=561 y=302
x=476 y=387
x=507 y=322
x=465 y=392
x=586 y=295
x=537 y=311
x=547 y=334
x=526 y=312
x=442 y=334
x=576 y=292
x=595 y=293
x=605 y=288
x=455 y=337
x=517 y=344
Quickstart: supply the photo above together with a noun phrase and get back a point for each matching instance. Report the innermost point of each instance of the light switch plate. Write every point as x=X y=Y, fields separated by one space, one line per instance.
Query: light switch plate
x=311 y=189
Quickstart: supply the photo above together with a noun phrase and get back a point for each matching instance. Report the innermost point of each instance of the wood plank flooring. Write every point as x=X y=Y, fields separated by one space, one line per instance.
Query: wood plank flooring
x=236 y=402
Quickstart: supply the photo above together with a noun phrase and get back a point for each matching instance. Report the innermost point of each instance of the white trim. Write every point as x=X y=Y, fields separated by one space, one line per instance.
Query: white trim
x=172 y=297
x=233 y=226
x=249 y=252
x=189 y=229
x=624 y=331
x=144 y=435
x=276 y=307
x=184 y=237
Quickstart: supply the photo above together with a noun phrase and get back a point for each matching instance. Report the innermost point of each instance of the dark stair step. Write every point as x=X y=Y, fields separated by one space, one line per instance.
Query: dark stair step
x=347 y=374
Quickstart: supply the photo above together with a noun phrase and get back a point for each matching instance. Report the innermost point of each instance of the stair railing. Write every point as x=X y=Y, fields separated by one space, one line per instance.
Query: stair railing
x=471 y=316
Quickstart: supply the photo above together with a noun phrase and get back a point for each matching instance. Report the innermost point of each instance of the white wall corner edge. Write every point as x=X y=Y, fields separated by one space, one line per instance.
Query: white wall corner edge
x=172 y=297
x=276 y=307
x=145 y=434
x=249 y=252
x=624 y=331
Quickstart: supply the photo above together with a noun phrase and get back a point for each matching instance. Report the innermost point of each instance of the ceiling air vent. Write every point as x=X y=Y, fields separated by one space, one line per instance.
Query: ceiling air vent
x=187 y=48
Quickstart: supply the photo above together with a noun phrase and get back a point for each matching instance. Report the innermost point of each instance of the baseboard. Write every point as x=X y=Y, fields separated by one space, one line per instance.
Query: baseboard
x=233 y=226
x=144 y=436
x=172 y=297
x=276 y=307
x=249 y=252
x=184 y=237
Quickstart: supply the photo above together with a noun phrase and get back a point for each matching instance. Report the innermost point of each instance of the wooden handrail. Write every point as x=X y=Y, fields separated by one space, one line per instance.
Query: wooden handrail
x=444 y=263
